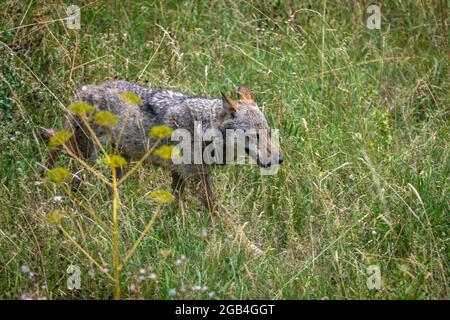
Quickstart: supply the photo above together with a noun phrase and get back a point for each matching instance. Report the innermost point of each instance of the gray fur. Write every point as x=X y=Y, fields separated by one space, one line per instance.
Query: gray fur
x=162 y=107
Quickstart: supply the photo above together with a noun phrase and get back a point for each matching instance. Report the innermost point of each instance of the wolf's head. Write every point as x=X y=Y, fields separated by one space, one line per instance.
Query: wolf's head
x=244 y=114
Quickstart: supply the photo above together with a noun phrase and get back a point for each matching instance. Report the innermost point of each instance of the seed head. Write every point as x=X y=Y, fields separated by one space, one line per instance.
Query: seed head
x=58 y=175
x=59 y=138
x=106 y=119
x=116 y=161
x=54 y=217
x=167 y=152
x=160 y=132
x=161 y=196
x=131 y=99
x=81 y=108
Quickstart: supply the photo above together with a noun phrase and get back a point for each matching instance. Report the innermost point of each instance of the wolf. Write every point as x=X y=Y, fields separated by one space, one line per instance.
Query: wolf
x=172 y=109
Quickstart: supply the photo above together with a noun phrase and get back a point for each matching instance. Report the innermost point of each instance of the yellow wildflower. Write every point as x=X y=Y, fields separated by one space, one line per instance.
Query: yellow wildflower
x=116 y=161
x=105 y=119
x=60 y=138
x=165 y=253
x=54 y=217
x=161 y=196
x=160 y=132
x=57 y=175
x=167 y=152
x=131 y=99
x=81 y=108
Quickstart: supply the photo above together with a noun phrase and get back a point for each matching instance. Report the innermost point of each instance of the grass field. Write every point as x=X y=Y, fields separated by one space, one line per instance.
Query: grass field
x=364 y=125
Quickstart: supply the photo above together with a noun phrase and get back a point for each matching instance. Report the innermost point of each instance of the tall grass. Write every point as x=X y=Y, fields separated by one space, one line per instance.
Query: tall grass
x=60 y=176
x=363 y=116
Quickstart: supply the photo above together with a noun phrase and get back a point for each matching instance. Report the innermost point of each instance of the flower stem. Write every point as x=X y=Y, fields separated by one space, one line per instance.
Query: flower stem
x=86 y=207
x=68 y=236
x=93 y=135
x=141 y=237
x=138 y=164
x=88 y=167
x=116 y=261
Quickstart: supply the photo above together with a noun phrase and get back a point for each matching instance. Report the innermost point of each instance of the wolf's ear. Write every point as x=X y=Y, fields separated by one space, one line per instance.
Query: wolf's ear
x=243 y=93
x=229 y=104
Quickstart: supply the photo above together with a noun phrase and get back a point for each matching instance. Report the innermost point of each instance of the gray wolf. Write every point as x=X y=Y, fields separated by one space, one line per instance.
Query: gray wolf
x=175 y=110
